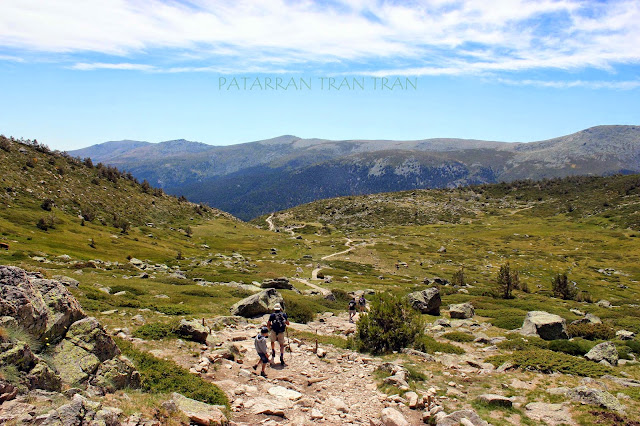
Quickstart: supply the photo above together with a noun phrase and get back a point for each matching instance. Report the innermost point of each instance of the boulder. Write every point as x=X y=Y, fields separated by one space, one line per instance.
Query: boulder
x=115 y=374
x=545 y=325
x=588 y=319
x=85 y=346
x=282 y=392
x=392 y=417
x=279 y=283
x=43 y=377
x=7 y=391
x=193 y=330
x=66 y=281
x=426 y=301
x=258 y=304
x=549 y=414
x=496 y=400
x=461 y=311
x=44 y=308
x=596 y=397
x=199 y=412
x=625 y=335
x=604 y=303
x=603 y=351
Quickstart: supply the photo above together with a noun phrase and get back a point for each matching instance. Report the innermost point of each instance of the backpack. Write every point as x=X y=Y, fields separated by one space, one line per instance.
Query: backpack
x=279 y=323
x=352 y=305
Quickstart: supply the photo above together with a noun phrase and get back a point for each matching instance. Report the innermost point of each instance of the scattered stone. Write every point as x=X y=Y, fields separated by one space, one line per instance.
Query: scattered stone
x=66 y=281
x=392 y=417
x=282 y=392
x=625 y=335
x=199 y=412
x=193 y=330
x=457 y=417
x=549 y=414
x=603 y=351
x=493 y=399
x=597 y=397
x=442 y=249
x=426 y=301
x=461 y=311
x=423 y=355
x=604 y=303
x=316 y=414
x=545 y=325
x=412 y=400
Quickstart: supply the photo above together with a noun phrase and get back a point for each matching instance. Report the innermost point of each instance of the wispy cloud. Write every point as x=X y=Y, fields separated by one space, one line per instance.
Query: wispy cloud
x=376 y=37
x=589 y=84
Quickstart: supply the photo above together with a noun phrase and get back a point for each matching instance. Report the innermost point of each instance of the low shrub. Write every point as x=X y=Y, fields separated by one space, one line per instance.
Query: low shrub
x=547 y=361
x=430 y=345
x=390 y=325
x=591 y=331
x=516 y=342
x=156 y=331
x=571 y=347
x=458 y=336
x=130 y=290
x=298 y=311
x=341 y=295
x=634 y=345
x=173 y=309
x=163 y=376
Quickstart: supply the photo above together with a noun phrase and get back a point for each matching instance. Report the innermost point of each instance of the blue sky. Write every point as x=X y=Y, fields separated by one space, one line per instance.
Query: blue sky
x=77 y=73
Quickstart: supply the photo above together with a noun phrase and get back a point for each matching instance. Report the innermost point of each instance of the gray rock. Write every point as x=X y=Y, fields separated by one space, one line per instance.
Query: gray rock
x=461 y=311
x=199 y=412
x=426 y=301
x=596 y=397
x=257 y=304
x=392 y=417
x=605 y=351
x=455 y=418
x=419 y=354
x=115 y=374
x=604 y=303
x=193 y=330
x=588 y=319
x=442 y=322
x=493 y=399
x=548 y=414
x=43 y=377
x=625 y=335
x=545 y=325
x=278 y=283
x=69 y=282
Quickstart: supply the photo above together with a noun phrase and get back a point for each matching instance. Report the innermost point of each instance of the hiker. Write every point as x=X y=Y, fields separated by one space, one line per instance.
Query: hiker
x=278 y=322
x=352 y=308
x=362 y=303
x=260 y=343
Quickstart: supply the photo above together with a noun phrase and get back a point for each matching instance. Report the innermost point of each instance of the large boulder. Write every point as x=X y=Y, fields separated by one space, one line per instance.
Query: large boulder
x=116 y=373
x=43 y=308
x=426 y=301
x=545 y=325
x=193 y=330
x=392 y=417
x=85 y=346
x=258 y=304
x=281 y=283
x=600 y=398
x=461 y=311
x=605 y=351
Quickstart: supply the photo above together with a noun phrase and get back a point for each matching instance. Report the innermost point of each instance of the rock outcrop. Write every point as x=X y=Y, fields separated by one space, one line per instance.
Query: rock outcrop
x=278 y=283
x=426 y=301
x=198 y=412
x=193 y=330
x=605 y=351
x=595 y=397
x=461 y=311
x=257 y=304
x=545 y=325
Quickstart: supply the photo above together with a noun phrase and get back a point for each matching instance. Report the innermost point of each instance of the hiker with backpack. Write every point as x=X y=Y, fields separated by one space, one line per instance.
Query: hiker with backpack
x=260 y=343
x=278 y=322
x=362 y=303
x=352 y=308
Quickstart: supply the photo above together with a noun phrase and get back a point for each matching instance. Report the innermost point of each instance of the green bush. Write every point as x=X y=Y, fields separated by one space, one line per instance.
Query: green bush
x=298 y=310
x=156 y=331
x=341 y=295
x=516 y=342
x=547 y=361
x=634 y=345
x=458 y=336
x=591 y=331
x=162 y=376
x=173 y=309
x=508 y=322
x=390 y=325
x=430 y=345
x=571 y=347
x=130 y=290
x=562 y=288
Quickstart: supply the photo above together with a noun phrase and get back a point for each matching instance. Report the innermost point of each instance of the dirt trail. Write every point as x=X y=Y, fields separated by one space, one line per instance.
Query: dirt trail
x=322 y=290
x=336 y=387
x=269 y=221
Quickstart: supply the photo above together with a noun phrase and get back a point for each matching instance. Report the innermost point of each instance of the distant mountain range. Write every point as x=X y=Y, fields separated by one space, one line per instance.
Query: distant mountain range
x=255 y=178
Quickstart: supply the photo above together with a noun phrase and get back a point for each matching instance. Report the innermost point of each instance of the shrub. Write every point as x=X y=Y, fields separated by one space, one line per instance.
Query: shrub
x=5 y=144
x=458 y=336
x=562 y=288
x=42 y=224
x=571 y=347
x=634 y=345
x=163 y=376
x=458 y=277
x=340 y=295
x=516 y=342
x=391 y=324
x=591 y=331
x=298 y=311
x=428 y=344
x=583 y=296
x=547 y=361
x=173 y=310
x=156 y=331
x=508 y=318
x=47 y=204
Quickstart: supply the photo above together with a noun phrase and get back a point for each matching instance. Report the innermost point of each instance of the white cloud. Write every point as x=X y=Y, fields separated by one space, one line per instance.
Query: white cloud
x=590 y=84
x=420 y=37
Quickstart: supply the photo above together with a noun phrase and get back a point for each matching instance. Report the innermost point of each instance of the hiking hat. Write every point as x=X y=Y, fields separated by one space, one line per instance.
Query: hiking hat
x=277 y=307
x=264 y=330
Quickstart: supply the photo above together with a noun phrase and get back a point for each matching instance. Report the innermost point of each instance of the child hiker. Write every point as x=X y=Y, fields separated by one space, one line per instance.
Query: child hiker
x=260 y=343
x=352 y=309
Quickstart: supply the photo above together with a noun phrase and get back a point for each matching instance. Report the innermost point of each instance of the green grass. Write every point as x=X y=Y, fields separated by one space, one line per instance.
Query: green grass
x=162 y=376
x=310 y=338
x=430 y=345
x=156 y=331
x=458 y=336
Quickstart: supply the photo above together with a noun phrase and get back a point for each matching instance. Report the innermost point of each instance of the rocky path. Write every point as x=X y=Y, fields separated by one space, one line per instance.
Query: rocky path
x=332 y=386
x=269 y=221
x=322 y=290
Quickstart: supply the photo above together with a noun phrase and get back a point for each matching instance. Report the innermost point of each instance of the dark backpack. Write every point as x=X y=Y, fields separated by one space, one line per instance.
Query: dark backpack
x=279 y=323
x=352 y=305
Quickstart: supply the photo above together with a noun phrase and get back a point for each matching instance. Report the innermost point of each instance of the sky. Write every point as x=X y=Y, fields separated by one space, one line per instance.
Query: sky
x=76 y=73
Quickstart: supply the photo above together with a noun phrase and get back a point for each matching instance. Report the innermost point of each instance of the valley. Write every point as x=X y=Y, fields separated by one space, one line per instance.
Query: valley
x=167 y=279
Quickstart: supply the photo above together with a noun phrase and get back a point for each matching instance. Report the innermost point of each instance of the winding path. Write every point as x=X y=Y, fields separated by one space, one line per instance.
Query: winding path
x=269 y=221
